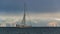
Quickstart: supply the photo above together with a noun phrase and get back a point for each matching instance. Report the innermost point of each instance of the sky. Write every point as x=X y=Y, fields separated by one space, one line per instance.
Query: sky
x=33 y=6
x=37 y=9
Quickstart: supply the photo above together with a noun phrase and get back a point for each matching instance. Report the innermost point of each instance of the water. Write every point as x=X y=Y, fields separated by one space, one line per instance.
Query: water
x=34 y=30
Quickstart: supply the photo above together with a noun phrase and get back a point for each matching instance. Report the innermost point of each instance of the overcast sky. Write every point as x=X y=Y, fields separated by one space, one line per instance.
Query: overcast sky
x=41 y=9
x=33 y=6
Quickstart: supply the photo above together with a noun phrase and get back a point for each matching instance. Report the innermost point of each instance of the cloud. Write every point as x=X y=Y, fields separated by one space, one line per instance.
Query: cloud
x=37 y=20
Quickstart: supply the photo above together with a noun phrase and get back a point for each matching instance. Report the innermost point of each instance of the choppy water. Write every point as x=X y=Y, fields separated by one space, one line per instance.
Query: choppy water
x=34 y=30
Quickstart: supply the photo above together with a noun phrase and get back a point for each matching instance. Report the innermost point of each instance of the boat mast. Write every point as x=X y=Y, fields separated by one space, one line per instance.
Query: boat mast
x=24 y=15
x=23 y=23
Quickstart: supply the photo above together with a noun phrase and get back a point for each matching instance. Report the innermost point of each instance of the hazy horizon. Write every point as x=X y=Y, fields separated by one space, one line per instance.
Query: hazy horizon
x=40 y=12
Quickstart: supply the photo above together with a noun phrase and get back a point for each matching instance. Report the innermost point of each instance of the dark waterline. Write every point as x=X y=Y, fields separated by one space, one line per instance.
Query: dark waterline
x=33 y=30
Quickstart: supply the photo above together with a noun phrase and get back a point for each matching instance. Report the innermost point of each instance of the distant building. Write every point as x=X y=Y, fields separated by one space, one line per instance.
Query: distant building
x=10 y=25
x=3 y=25
x=52 y=24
